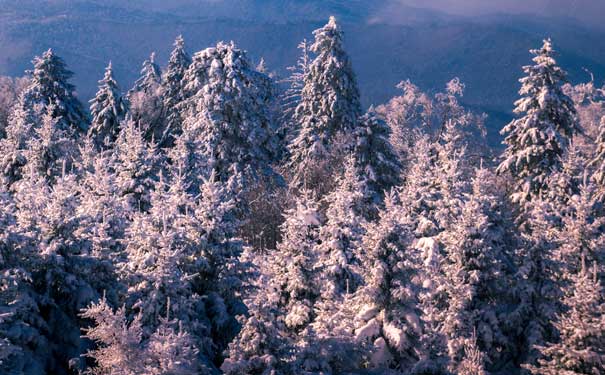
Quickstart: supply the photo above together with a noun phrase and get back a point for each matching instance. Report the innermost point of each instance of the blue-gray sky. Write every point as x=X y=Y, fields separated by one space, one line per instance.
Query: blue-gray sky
x=589 y=11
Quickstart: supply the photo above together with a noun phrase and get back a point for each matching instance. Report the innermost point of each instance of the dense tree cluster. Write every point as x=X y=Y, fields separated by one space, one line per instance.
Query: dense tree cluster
x=212 y=221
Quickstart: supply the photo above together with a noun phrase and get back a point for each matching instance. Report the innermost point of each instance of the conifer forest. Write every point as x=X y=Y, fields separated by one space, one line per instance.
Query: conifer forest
x=219 y=218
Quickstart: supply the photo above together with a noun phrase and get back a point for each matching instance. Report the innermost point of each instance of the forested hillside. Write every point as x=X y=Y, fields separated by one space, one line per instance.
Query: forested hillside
x=218 y=218
x=388 y=42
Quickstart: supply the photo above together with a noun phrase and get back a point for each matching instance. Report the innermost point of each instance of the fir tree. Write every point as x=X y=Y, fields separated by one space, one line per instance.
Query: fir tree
x=388 y=315
x=290 y=99
x=329 y=106
x=536 y=141
x=341 y=234
x=228 y=112
x=474 y=276
x=49 y=86
x=598 y=161
x=172 y=89
x=124 y=350
x=21 y=129
x=50 y=152
x=375 y=155
x=150 y=77
x=135 y=166
x=579 y=349
x=108 y=110
x=296 y=255
x=145 y=100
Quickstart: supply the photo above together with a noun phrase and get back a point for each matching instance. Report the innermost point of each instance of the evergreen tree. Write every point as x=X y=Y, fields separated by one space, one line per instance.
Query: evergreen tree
x=50 y=152
x=598 y=161
x=341 y=235
x=260 y=346
x=296 y=255
x=375 y=155
x=388 y=315
x=228 y=112
x=150 y=77
x=421 y=190
x=474 y=360
x=49 y=86
x=136 y=167
x=172 y=89
x=108 y=110
x=329 y=108
x=536 y=141
x=23 y=343
x=291 y=98
x=474 y=276
x=123 y=349
x=145 y=100
x=103 y=216
x=579 y=349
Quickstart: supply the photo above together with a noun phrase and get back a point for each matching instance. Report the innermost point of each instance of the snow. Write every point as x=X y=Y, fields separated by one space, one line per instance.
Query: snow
x=368 y=331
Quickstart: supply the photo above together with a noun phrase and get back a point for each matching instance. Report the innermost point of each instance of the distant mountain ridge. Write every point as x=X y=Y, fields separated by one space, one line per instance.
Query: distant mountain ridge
x=386 y=46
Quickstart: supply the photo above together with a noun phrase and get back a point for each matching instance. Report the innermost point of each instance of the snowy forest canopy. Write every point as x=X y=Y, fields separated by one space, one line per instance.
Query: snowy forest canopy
x=218 y=219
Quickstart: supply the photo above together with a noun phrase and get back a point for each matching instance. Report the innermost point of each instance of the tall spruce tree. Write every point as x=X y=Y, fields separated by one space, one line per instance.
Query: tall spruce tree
x=172 y=90
x=108 y=109
x=49 y=86
x=474 y=276
x=329 y=108
x=145 y=100
x=536 y=141
x=227 y=110
x=388 y=315
x=375 y=156
x=580 y=347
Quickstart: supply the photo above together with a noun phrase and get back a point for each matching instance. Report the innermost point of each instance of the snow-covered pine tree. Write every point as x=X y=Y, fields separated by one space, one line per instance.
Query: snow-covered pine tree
x=341 y=234
x=49 y=86
x=406 y=115
x=108 y=109
x=10 y=91
x=23 y=344
x=145 y=100
x=227 y=111
x=580 y=348
x=67 y=278
x=565 y=183
x=150 y=77
x=473 y=267
x=536 y=141
x=221 y=281
x=474 y=360
x=135 y=166
x=50 y=152
x=453 y=173
x=123 y=350
x=163 y=248
x=581 y=234
x=534 y=283
x=329 y=109
x=421 y=191
x=329 y=345
x=290 y=99
x=21 y=129
x=260 y=346
x=598 y=161
x=388 y=316
x=295 y=262
x=103 y=219
x=375 y=156
x=172 y=90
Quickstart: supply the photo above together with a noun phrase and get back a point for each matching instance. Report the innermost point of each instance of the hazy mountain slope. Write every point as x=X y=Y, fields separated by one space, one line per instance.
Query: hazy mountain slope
x=425 y=46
